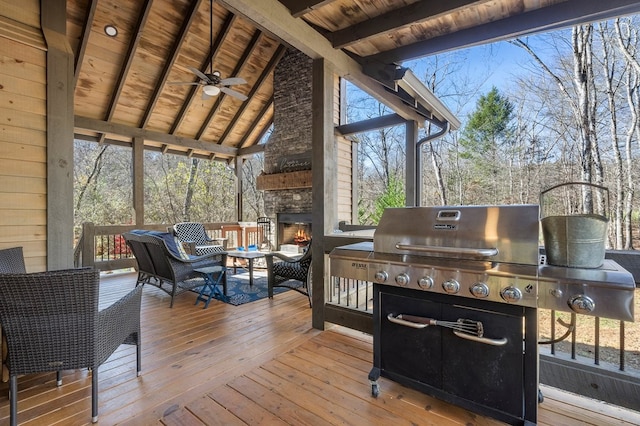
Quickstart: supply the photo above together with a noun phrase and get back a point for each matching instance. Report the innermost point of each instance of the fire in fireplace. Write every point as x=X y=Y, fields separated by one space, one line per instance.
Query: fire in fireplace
x=294 y=228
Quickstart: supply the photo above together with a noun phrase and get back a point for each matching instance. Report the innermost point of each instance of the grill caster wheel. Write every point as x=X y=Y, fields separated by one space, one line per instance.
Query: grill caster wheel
x=540 y=397
x=375 y=390
x=374 y=375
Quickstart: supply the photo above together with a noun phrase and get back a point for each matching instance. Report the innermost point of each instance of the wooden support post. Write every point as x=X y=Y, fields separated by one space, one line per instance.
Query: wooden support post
x=138 y=180
x=60 y=84
x=324 y=176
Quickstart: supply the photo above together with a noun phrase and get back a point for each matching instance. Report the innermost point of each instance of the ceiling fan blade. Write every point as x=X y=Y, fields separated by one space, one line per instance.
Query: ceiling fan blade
x=232 y=81
x=183 y=83
x=233 y=93
x=200 y=74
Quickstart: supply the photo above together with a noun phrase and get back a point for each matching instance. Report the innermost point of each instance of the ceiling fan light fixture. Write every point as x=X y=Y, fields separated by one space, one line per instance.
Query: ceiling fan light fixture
x=211 y=90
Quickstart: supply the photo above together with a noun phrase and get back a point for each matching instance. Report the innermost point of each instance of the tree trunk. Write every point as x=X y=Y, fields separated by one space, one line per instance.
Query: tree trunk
x=193 y=172
x=609 y=74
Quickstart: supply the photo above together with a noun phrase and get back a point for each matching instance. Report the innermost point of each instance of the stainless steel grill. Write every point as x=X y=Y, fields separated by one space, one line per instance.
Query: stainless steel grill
x=482 y=252
x=454 y=281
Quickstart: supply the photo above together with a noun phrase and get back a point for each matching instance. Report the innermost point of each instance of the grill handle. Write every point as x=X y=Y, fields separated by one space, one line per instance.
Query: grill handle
x=400 y=321
x=480 y=252
x=485 y=340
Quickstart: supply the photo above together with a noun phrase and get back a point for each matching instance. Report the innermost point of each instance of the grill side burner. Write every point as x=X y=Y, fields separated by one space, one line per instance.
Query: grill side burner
x=478 y=265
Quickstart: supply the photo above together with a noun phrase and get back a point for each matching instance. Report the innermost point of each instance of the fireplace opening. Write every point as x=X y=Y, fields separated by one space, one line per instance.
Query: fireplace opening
x=294 y=231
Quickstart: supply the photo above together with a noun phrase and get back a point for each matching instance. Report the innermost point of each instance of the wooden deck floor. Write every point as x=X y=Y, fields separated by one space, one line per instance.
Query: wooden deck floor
x=259 y=363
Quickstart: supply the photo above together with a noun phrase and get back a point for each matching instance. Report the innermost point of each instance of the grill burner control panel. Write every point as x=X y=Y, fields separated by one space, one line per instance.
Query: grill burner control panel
x=496 y=286
x=606 y=292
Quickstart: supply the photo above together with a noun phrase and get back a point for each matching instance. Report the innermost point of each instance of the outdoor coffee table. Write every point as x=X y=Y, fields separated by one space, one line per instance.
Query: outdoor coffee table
x=250 y=256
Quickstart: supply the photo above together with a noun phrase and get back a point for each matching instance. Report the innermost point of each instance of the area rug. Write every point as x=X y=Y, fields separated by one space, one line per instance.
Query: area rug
x=240 y=292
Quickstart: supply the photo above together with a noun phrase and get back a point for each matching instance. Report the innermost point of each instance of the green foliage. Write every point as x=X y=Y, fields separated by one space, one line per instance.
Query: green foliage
x=393 y=196
x=103 y=188
x=488 y=126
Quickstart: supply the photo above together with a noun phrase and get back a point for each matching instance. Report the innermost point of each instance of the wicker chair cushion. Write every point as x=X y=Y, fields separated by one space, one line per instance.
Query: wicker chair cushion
x=290 y=271
x=194 y=232
x=173 y=244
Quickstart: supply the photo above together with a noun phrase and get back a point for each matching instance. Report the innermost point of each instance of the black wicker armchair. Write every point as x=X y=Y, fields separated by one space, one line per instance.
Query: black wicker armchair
x=162 y=265
x=195 y=237
x=59 y=327
x=290 y=272
x=12 y=261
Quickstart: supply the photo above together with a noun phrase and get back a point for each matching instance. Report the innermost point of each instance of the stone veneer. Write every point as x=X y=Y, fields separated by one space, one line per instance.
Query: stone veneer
x=291 y=134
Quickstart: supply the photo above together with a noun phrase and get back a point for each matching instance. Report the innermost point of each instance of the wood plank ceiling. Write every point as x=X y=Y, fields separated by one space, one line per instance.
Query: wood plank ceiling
x=123 y=83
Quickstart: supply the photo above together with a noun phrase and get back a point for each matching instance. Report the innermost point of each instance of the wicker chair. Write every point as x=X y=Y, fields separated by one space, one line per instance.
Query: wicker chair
x=195 y=237
x=12 y=261
x=289 y=272
x=162 y=265
x=59 y=327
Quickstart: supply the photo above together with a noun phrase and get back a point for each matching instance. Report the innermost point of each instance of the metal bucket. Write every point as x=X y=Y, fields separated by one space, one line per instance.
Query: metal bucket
x=575 y=239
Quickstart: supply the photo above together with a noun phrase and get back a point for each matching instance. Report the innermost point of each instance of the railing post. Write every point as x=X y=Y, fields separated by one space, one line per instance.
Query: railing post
x=88 y=244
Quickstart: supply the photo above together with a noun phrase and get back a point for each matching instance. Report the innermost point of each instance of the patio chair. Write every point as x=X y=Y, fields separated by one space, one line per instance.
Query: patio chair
x=52 y=323
x=162 y=263
x=290 y=272
x=12 y=261
x=195 y=237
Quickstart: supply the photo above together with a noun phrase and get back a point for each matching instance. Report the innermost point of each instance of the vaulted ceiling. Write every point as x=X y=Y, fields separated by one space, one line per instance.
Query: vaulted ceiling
x=124 y=84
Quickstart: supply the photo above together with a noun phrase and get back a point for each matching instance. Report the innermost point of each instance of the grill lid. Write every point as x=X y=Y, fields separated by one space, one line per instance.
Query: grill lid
x=506 y=233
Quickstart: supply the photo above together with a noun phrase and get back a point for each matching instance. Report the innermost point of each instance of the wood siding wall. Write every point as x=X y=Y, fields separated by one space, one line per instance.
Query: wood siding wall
x=345 y=156
x=23 y=145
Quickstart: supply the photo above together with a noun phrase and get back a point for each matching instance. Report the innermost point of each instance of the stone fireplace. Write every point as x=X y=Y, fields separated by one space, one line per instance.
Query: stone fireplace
x=294 y=229
x=286 y=179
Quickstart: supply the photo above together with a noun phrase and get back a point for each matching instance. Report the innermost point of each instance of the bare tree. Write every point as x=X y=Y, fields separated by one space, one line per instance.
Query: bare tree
x=627 y=41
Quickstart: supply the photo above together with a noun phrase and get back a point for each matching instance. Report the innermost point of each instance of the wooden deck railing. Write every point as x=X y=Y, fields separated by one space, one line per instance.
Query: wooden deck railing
x=104 y=248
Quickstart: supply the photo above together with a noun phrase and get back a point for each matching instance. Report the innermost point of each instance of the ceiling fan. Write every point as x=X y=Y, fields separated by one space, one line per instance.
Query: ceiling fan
x=212 y=82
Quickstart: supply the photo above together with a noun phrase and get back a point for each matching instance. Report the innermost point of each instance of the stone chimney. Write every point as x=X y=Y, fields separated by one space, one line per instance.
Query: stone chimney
x=287 y=155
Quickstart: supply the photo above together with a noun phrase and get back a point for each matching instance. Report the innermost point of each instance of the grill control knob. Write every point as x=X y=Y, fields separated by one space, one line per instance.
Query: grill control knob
x=425 y=282
x=402 y=279
x=582 y=304
x=381 y=276
x=451 y=286
x=511 y=294
x=480 y=290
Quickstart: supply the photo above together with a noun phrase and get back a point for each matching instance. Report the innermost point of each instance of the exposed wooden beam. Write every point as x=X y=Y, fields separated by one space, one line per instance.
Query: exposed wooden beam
x=226 y=27
x=84 y=39
x=261 y=79
x=414 y=13
x=302 y=7
x=275 y=18
x=556 y=16
x=132 y=132
x=250 y=150
x=128 y=60
x=175 y=52
x=370 y=124
x=244 y=59
x=267 y=106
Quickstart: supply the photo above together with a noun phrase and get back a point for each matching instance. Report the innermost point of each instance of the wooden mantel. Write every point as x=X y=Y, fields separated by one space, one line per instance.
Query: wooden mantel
x=288 y=180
